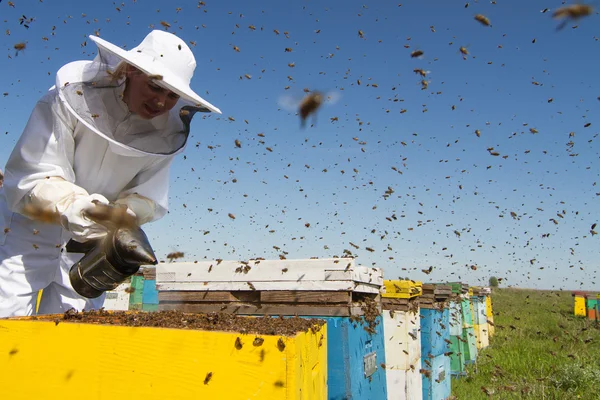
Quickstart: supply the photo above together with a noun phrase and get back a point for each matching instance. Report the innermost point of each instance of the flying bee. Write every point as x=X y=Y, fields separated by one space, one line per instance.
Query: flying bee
x=19 y=47
x=417 y=53
x=482 y=19
x=572 y=12
x=310 y=104
x=175 y=255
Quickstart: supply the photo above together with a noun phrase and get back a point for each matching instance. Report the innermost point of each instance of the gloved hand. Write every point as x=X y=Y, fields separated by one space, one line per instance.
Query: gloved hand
x=69 y=203
x=142 y=207
x=72 y=211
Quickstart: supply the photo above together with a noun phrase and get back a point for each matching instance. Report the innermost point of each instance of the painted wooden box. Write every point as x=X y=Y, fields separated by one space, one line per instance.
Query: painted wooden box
x=457 y=358
x=346 y=295
x=435 y=331
x=479 y=310
x=579 y=306
x=489 y=315
x=482 y=336
x=118 y=299
x=402 y=335
x=470 y=342
x=436 y=378
x=456 y=319
x=97 y=362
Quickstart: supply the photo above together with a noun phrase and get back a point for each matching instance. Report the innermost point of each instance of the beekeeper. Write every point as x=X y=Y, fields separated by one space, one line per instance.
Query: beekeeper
x=106 y=132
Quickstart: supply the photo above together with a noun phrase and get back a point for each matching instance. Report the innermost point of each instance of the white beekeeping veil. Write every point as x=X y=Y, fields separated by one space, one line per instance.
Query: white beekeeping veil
x=92 y=91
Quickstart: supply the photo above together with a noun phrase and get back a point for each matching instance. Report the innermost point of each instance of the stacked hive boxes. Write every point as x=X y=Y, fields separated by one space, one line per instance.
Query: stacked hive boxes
x=480 y=316
x=337 y=290
x=468 y=333
x=457 y=343
x=435 y=340
x=137 y=294
x=592 y=306
x=401 y=323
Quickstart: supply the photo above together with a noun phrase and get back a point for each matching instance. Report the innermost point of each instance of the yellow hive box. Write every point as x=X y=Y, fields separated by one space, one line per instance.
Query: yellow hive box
x=490 y=315
x=402 y=289
x=76 y=360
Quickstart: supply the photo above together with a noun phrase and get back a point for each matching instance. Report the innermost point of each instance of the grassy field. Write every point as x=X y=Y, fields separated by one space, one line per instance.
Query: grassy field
x=540 y=351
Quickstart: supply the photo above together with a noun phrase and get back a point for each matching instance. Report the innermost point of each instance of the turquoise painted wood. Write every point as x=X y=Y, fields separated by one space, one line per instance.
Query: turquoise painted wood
x=467 y=314
x=150 y=294
x=470 y=349
x=349 y=346
x=437 y=382
x=435 y=332
x=457 y=358
x=137 y=285
x=456 y=319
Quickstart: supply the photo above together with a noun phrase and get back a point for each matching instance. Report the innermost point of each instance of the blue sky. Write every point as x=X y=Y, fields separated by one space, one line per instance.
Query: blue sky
x=335 y=174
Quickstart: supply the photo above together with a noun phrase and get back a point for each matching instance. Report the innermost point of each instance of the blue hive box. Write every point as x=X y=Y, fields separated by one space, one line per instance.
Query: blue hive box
x=435 y=331
x=436 y=378
x=355 y=358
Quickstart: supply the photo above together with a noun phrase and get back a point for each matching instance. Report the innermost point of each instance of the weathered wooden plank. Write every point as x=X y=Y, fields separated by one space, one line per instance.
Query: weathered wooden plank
x=300 y=296
x=268 y=270
x=257 y=309
x=208 y=296
x=269 y=285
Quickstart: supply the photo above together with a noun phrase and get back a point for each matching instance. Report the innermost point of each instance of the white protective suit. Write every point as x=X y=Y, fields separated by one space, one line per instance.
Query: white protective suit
x=115 y=154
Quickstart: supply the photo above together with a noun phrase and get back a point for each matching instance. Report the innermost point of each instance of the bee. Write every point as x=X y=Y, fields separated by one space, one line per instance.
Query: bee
x=463 y=50
x=478 y=132
x=428 y=270
x=230 y=215
x=482 y=19
x=238 y=343
x=251 y=286
x=421 y=72
x=235 y=48
x=130 y=289
x=208 y=378
x=238 y=144
x=175 y=255
x=280 y=344
x=361 y=34
x=19 y=47
x=165 y=24
x=258 y=341
x=417 y=53
x=309 y=105
x=572 y=12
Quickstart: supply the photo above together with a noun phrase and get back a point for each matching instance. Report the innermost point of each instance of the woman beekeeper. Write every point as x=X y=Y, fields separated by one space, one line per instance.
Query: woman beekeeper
x=107 y=132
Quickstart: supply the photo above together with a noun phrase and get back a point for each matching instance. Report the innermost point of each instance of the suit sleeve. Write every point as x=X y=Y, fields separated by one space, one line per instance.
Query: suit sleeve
x=45 y=149
x=153 y=184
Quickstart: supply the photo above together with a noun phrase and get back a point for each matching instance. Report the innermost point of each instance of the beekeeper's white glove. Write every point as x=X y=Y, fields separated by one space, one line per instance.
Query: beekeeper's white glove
x=142 y=207
x=69 y=202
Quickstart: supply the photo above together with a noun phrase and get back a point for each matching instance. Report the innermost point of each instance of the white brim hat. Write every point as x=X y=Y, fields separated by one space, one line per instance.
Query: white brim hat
x=166 y=55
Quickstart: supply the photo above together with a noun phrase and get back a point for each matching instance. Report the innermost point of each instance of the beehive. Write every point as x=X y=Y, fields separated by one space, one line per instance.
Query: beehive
x=71 y=360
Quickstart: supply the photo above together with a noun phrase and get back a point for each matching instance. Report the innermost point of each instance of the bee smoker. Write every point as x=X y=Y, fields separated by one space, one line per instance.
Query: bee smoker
x=109 y=261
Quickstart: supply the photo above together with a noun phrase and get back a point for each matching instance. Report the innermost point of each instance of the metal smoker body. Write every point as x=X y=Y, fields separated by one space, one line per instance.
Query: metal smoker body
x=110 y=261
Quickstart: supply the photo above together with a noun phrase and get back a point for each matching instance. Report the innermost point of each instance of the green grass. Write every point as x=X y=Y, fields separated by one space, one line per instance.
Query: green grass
x=540 y=350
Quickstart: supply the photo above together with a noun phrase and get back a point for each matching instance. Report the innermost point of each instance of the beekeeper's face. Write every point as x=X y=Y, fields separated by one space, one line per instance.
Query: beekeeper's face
x=146 y=98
